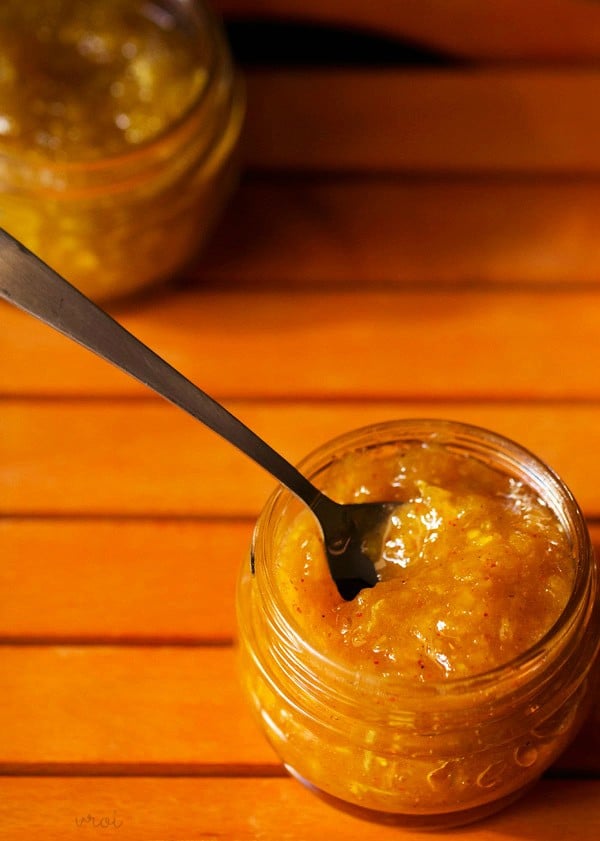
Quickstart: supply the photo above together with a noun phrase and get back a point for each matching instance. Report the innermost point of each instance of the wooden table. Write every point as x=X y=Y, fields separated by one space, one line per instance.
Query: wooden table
x=402 y=244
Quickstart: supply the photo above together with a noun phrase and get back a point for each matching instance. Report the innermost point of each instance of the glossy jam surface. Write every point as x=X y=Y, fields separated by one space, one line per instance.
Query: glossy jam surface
x=83 y=80
x=474 y=569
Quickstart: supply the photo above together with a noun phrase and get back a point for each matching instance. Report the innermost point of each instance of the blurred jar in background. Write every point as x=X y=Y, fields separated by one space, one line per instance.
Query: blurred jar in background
x=119 y=127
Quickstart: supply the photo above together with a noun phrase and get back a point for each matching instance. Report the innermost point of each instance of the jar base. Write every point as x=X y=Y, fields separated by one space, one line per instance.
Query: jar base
x=426 y=822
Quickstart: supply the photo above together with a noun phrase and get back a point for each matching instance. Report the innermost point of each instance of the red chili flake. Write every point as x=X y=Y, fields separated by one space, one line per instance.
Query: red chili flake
x=485 y=614
x=376 y=662
x=359 y=613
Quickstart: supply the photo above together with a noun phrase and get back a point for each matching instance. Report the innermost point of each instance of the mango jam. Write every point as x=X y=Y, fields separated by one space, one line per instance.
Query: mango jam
x=80 y=81
x=442 y=693
x=119 y=125
x=474 y=568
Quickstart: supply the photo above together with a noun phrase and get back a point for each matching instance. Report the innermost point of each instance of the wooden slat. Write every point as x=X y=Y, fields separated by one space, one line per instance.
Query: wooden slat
x=122 y=580
x=106 y=707
x=115 y=709
x=336 y=232
x=500 y=30
x=415 y=344
x=85 y=457
x=468 y=121
x=269 y=809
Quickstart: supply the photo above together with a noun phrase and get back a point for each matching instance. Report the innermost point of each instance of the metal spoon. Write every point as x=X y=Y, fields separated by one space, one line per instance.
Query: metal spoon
x=31 y=285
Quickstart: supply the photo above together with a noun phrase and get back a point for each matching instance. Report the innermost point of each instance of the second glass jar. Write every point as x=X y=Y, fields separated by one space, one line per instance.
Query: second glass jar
x=119 y=129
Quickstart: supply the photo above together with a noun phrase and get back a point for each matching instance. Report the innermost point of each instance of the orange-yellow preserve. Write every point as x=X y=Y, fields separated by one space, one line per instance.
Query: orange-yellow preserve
x=442 y=692
x=474 y=568
x=119 y=126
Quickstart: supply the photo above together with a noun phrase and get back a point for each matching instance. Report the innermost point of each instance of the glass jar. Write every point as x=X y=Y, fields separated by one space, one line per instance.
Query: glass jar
x=435 y=754
x=119 y=130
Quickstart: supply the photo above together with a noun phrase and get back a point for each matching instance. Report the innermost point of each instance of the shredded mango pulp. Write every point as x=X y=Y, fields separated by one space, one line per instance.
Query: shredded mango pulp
x=474 y=569
x=81 y=81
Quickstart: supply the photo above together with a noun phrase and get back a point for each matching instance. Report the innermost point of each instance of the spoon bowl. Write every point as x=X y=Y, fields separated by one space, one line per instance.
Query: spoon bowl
x=31 y=285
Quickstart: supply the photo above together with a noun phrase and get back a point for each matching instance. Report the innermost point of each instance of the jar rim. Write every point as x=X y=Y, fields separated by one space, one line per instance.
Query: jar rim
x=433 y=429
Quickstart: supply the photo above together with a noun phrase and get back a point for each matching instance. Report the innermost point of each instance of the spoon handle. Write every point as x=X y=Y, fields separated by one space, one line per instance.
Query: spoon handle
x=33 y=286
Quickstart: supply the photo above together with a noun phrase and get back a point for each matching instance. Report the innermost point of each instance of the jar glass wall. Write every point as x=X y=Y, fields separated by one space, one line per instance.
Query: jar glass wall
x=119 y=139
x=436 y=753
